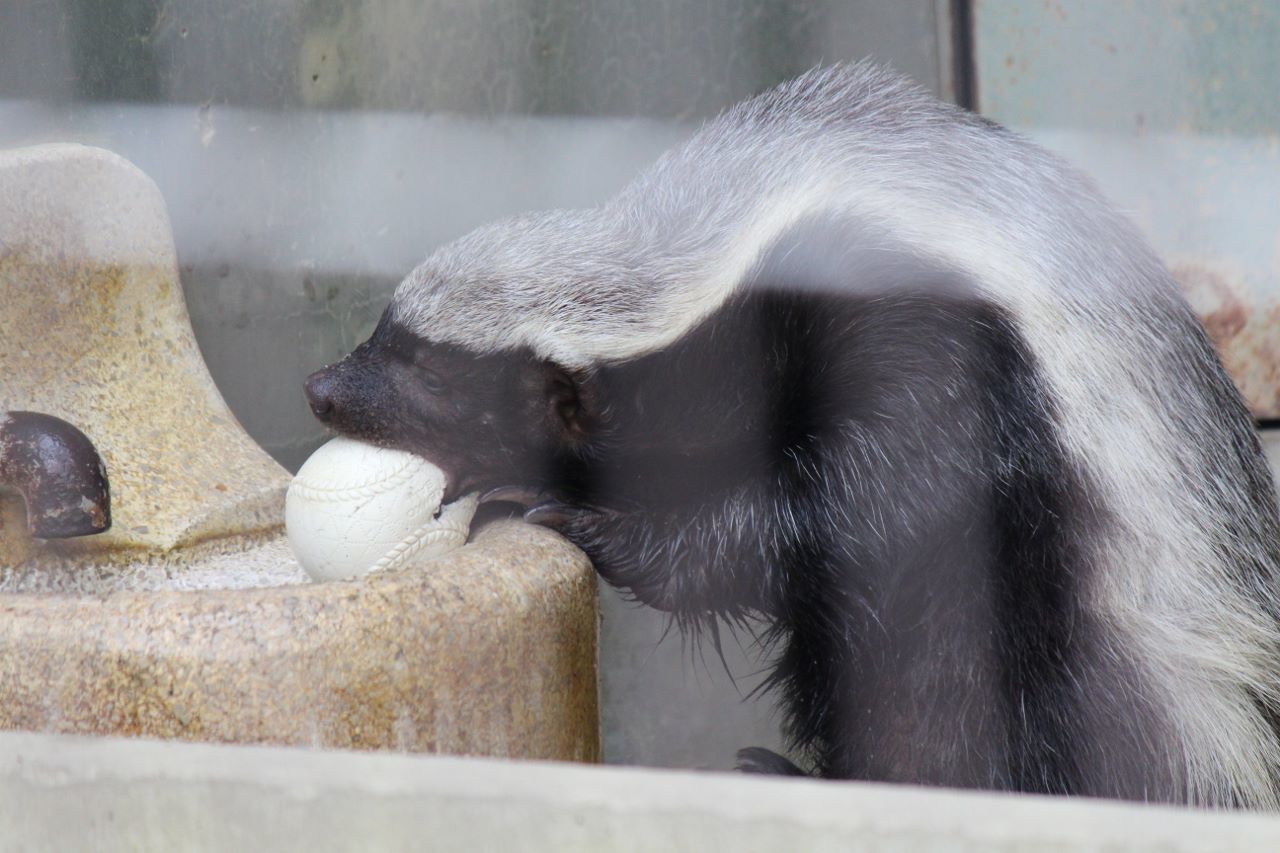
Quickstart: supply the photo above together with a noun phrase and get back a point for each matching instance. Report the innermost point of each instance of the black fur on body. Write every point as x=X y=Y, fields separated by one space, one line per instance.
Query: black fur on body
x=860 y=445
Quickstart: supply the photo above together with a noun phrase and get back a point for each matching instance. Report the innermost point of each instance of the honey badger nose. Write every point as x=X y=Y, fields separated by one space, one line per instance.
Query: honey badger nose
x=320 y=393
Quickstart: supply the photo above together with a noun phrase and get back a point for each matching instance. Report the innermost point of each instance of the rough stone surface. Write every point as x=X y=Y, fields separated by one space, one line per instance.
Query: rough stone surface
x=160 y=627
x=487 y=651
x=95 y=330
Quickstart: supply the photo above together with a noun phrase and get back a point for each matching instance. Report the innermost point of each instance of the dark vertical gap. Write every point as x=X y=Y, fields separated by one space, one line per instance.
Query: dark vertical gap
x=963 y=71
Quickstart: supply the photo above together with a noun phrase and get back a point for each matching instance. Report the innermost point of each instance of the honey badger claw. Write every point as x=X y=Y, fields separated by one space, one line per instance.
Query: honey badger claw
x=521 y=495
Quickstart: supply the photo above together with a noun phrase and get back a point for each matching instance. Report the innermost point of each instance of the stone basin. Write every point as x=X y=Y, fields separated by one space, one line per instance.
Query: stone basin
x=189 y=618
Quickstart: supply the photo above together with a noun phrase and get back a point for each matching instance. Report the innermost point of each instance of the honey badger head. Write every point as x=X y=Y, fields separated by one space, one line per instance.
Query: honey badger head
x=494 y=359
x=515 y=357
x=486 y=420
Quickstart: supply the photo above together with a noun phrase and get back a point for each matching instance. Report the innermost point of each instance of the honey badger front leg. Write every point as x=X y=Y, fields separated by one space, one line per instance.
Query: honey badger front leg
x=697 y=564
x=694 y=561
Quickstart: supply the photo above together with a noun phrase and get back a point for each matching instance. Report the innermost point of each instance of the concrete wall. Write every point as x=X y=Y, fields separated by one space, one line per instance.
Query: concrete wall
x=70 y=794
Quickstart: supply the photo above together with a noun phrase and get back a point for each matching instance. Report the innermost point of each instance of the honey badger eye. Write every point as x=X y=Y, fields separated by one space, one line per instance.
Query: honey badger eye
x=432 y=381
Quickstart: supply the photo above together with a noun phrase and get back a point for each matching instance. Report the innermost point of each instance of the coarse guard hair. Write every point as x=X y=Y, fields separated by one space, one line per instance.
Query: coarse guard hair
x=1182 y=548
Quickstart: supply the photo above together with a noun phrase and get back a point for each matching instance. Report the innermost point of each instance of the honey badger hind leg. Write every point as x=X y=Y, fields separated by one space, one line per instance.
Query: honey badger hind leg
x=756 y=760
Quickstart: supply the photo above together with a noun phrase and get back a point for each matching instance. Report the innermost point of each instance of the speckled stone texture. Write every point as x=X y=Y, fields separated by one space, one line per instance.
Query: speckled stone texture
x=189 y=619
x=488 y=651
x=94 y=329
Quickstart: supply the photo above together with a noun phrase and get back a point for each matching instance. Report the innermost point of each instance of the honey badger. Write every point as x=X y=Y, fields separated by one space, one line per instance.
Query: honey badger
x=903 y=384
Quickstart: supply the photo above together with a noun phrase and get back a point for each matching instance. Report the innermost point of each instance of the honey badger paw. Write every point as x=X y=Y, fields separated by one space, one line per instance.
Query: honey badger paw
x=615 y=542
x=585 y=526
x=758 y=760
x=628 y=545
x=580 y=524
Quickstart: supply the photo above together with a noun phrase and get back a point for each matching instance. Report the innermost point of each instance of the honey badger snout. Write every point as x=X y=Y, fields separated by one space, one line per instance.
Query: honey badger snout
x=347 y=395
x=322 y=389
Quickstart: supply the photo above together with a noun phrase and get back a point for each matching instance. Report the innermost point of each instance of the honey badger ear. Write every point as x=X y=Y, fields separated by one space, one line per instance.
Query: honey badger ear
x=569 y=400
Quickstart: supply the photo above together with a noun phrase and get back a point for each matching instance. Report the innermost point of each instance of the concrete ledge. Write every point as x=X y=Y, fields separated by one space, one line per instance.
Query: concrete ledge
x=56 y=792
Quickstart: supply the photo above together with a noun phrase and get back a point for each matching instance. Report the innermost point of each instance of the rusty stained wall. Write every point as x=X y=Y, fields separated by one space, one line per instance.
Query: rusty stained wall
x=1172 y=107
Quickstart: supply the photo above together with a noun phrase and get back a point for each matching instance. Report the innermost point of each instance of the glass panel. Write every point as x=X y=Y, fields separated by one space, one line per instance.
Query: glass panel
x=311 y=152
x=1172 y=107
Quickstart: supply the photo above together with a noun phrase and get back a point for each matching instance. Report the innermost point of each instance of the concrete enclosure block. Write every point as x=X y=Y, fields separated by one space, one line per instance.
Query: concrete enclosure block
x=190 y=619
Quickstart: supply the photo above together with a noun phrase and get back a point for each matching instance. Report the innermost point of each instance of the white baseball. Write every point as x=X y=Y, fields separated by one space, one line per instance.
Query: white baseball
x=355 y=508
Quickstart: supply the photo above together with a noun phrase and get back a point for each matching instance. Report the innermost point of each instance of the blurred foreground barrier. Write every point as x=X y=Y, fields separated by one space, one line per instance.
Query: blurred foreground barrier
x=58 y=792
